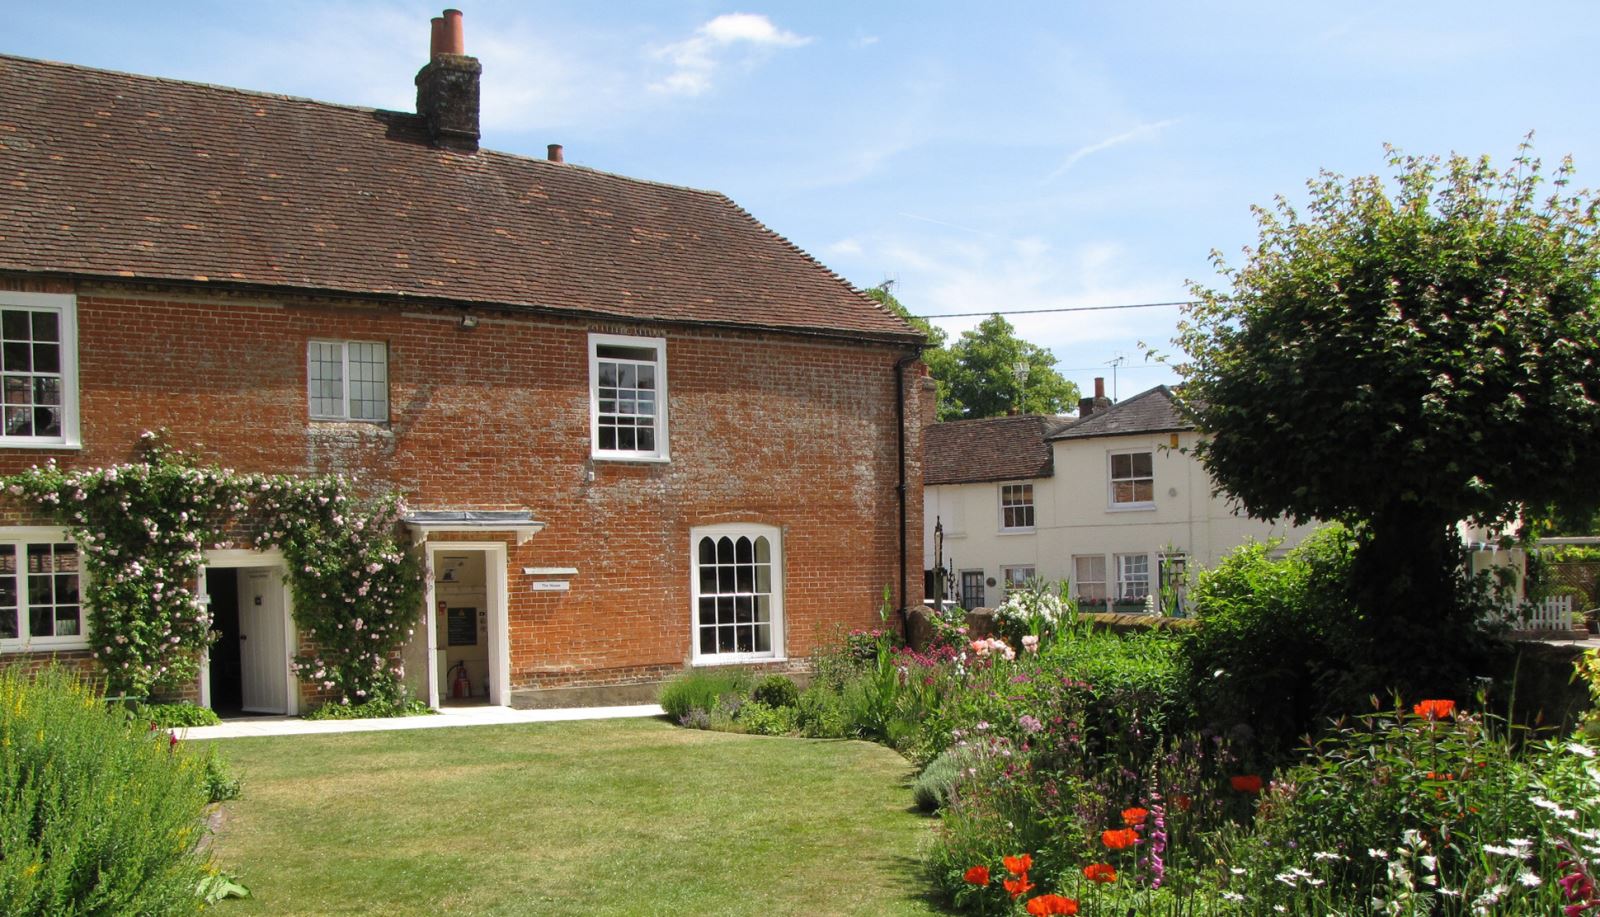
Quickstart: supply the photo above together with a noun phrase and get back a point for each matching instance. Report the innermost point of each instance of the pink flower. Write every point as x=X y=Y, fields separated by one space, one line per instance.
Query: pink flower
x=1030 y=644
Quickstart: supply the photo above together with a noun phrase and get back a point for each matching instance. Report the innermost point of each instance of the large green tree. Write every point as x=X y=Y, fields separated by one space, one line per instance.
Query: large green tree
x=1403 y=355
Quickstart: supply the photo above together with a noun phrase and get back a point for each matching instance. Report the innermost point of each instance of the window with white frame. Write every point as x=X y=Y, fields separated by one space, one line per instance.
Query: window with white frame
x=39 y=369
x=1133 y=481
x=1133 y=577
x=628 y=397
x=1016 y=507
x=1016 y=576
x=737 y=580
x=348 y=380
x=1089 y=579
x=40 y=604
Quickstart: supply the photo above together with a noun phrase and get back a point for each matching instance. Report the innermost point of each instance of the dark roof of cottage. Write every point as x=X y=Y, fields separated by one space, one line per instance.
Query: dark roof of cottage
x=111 y=175
x=1151 y=411
x=989 y=449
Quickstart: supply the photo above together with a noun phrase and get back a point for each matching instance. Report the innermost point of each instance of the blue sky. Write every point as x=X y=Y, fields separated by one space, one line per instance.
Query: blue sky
x=999 y=156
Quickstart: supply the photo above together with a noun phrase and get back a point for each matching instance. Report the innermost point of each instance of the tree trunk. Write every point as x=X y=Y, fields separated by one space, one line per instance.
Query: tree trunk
x=1416 y=608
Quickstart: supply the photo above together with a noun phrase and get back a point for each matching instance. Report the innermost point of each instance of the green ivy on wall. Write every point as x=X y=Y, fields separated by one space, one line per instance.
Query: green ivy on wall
x=143 y=528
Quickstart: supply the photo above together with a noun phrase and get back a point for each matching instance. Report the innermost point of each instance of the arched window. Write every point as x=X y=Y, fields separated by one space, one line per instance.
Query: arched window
x=737 y=583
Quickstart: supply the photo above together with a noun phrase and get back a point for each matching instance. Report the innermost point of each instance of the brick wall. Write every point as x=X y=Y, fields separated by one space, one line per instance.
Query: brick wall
x=782 y=430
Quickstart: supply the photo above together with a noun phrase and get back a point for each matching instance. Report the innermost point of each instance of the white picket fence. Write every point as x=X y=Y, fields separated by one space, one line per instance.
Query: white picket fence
x=1553 y=613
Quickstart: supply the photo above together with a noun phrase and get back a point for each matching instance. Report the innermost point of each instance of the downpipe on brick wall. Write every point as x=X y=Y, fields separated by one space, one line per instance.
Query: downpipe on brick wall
x=900 y=489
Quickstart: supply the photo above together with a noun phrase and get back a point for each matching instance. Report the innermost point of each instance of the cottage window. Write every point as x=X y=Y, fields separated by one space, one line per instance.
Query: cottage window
x=737 y=582
x=40 y=605
x=628 y=397
x=1089 y=580
x=348 y=380
x=1133 y=577
x=1016 y=576
x=1133 y=479
x=1016 y=507
x=39 y=369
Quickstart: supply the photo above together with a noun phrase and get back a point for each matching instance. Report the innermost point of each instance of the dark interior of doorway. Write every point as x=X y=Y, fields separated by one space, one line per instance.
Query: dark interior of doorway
x=227 y=674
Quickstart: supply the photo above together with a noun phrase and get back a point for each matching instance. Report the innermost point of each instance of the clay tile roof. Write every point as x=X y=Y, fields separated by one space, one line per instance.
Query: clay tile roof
x=990 y=449
x=1149 y=411
x=111 y=175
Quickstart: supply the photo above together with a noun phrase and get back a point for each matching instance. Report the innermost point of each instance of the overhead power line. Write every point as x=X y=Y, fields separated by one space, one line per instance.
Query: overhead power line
x=1135 y=305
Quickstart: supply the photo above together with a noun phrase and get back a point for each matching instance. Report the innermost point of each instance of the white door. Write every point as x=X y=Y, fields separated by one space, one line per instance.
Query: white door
x=263 y=649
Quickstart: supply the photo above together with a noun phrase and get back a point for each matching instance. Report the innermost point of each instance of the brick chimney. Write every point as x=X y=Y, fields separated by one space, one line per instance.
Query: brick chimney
x=1088 y=406
x=447 y=88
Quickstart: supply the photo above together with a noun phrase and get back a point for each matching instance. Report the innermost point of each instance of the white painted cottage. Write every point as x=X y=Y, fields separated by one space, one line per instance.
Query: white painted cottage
x=1111 y=500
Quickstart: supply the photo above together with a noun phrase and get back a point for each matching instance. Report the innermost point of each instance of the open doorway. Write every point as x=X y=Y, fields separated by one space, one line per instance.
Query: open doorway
x=248 y=665
x=461 y=621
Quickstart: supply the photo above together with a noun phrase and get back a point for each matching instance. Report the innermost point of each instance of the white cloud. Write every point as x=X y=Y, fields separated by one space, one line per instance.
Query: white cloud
x=696 y=59
x=1138 y=133
x=843 y=248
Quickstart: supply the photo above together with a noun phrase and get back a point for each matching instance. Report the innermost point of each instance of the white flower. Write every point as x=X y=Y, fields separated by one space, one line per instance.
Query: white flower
x=1326 y=855
x=1528 y=878
x=1580 y=749
x=1377 y=854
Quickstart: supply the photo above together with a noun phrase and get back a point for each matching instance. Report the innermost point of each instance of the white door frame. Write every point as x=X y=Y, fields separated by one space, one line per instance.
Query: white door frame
x=272 y=557
x=494 y=576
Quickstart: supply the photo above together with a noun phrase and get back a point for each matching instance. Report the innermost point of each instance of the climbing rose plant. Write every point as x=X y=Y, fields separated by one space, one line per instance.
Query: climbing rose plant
x=142 y=530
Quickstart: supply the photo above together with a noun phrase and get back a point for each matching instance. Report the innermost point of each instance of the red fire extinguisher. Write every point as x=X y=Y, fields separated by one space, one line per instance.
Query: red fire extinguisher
x=460 y=684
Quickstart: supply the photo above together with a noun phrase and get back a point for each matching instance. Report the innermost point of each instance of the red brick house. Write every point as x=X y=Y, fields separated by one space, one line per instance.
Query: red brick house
x=637 y=429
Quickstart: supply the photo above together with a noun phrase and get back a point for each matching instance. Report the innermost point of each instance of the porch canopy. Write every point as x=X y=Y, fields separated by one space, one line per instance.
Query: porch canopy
x=424 y=523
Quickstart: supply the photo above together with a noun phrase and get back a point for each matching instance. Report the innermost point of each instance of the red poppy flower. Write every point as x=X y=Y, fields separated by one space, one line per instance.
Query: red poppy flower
x=1435 y=709
x=1246 y=783
x=1018 y=887
x=1185 y=802
x=1100 y=872
x=1120 y=839
x=977 y=875
x=1135 y=816
x=1052 y=904
x=1018 y=866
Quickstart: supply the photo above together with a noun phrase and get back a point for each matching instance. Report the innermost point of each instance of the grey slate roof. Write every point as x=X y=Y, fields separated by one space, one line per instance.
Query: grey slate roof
x=1151 y=411
x=989 y=449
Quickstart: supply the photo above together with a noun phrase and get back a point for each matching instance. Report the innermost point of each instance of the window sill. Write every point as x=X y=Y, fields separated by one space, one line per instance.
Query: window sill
x=1131 y=508
x=10 y=646
x=19 y=442
x=629 y=457
x=1017 y=531
x=740 y=659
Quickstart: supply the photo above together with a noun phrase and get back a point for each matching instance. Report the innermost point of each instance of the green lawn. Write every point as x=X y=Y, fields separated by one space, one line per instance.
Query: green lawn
x=607 y=817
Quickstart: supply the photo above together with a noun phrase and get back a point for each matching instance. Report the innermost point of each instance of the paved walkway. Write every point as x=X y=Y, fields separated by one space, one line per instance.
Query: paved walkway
x=449 y=716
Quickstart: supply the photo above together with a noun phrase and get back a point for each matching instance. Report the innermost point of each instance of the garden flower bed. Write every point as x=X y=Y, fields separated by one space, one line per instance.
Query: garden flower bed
x=1074 y=772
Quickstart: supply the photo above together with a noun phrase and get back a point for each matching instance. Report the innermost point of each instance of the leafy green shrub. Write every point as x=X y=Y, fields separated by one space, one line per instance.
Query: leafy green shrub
x=1275 y=648
x=99 y=814
x=221 y=783
x=937 y=781
x=377 y=708
x=701 y=690
x=176 y=716
x=762 y=719
x=820 y=713
x=776 y=691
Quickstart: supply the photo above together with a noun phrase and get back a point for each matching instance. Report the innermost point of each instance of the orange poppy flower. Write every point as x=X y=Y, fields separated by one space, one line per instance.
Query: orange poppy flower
x=1246 y=783
x=1018 y=887
x=1185 y=802
x=1052 y=904
x=1134 y=817
x=1100 y=872
x=977 y=875
x=1435 y=709
x=1120 y=839
x=1018 y=866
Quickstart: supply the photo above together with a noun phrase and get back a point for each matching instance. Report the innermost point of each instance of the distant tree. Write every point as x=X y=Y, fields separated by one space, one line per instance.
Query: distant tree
x=1404 y=357
x=986 y=381
x=978 y=375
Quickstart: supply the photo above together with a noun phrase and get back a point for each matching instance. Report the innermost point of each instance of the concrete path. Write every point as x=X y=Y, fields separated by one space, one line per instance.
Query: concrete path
x=449 y=716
